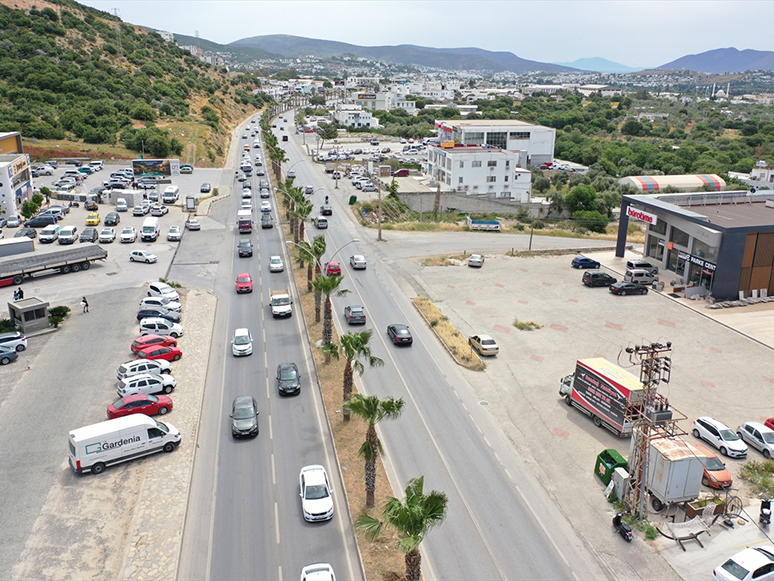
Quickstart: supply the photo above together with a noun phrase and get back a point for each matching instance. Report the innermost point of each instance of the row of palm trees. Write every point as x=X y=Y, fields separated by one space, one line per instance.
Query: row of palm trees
x=420 y=512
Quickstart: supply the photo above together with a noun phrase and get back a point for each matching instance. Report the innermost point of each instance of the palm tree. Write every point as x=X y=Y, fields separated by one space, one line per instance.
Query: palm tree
x=312 y=254
x=413 y=519
x=353 y=346
x=372 y=410
x=328 y=285
x=304 y=208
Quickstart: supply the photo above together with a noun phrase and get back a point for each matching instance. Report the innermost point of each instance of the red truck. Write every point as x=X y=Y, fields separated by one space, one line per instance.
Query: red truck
x=602 y=390
x=245 y=221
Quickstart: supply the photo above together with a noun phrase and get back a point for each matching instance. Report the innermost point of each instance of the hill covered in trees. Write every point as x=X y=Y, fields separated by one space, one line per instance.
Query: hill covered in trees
x=71 y=72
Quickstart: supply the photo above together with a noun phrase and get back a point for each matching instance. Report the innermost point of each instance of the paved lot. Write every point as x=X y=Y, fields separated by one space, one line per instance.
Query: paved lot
x=520 y=386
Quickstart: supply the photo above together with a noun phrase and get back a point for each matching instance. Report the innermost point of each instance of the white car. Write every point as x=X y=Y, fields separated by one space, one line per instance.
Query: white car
x=146 y=383
x=265 y=206
x=141 y=366
x=316 y=494
x=129 y=234
x=161 y=302
x=476 y=260
x=720 y=436
x=246 y=205
x=291 y=174
x=174 y=234
x=357 y=261
x=107 y=235
x=142 y=256
x=247 y=193
x=242 y=344
x=193 y=224
x=751 y=563
x=318 y=572
x=163 y=290
x=275 y=264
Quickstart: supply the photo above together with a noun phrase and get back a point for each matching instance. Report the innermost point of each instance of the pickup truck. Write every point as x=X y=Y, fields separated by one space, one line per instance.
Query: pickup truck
x=280 y=303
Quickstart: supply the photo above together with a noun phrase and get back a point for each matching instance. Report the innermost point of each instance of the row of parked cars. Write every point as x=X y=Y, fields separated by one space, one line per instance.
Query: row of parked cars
x=639 y=275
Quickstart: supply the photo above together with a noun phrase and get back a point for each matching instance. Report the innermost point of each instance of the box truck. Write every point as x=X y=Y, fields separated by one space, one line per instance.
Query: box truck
x=95 y=447
x=603 y=391
x=245 y=221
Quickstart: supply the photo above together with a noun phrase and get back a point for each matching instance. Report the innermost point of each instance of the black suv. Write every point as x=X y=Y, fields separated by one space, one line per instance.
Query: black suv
x=89 y=235
x=266 y=221
x=112 y=219
x=597 y=278
x=245 y=248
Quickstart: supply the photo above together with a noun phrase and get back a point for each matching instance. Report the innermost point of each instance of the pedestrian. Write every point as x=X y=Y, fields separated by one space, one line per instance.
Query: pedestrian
x=15 y=295
x=85 y=305
x=20 y=292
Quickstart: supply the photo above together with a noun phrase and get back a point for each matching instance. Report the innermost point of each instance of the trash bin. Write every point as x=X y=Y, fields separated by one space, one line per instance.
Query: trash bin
x=607 y=461
x=352 y=199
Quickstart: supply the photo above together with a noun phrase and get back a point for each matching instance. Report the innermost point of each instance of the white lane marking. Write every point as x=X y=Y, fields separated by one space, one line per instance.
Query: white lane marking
x=279 y=573
x=276 y=521
x=542 y=526
x=271 y=433
x=273 y=472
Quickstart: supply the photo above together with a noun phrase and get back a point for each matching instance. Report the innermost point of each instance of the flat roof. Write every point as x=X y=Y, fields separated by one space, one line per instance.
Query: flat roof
x=724 y=210
x=487 y=122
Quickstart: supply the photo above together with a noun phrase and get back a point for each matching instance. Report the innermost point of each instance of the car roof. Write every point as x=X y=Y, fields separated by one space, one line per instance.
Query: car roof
x=704 y=450
x=244 y=401
x=314 y=474
x=752 y=557
x=482 y=337
x=713 y=422
x=758 y=426
x=241 y=331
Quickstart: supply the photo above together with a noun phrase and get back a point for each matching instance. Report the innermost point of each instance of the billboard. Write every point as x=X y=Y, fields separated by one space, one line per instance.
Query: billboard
x=370 y=96
x=156 y=167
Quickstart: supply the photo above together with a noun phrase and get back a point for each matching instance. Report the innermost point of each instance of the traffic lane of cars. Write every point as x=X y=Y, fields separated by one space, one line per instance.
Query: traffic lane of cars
x=412 y=374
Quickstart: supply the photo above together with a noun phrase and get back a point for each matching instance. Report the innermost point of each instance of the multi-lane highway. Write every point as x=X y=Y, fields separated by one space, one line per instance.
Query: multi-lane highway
x=502 y=523
x=244 y=519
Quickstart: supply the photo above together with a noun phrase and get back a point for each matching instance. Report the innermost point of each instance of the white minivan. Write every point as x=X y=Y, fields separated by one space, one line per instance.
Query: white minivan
x=171 y=194
x=121 y=205
x=95 y=447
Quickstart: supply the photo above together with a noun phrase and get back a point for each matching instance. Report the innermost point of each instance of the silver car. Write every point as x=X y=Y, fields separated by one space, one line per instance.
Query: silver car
x=758 y=436
x=174 y=233
x=476 y=260
x=357 y=261
x=107 y=235
x=275 y=264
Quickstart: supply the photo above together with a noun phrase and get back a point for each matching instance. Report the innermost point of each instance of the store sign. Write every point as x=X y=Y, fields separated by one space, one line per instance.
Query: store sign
x=709 y=267
x=370 y=96
x=640 y=215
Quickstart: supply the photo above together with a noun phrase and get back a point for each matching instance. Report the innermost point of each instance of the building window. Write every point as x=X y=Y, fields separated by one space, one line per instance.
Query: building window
x=474 y=138
x=655 y=248
x=679 y=237
x=520 y=135
x=491 y=178
x=476 y=164
x=506 y=178
x=705 y=251
x=497 y=139
x=462 y=164
x=507 y=163
x=460 y=181
x=491 y=163
x=659 y=228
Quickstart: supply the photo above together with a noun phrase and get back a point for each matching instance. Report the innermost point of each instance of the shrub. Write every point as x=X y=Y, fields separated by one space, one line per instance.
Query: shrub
x=60 y=311
x=7 y=325
x=171 y=283
x=55 y=321
x=539 y=225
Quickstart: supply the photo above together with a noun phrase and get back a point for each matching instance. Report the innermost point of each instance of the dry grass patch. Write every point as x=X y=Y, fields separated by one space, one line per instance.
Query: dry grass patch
x=381 y=558
x=526 y=325
x=453 y=260
x=452 y=339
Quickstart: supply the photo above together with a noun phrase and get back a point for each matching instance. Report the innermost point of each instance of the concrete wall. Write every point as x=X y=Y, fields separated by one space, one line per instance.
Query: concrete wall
x=424 y=202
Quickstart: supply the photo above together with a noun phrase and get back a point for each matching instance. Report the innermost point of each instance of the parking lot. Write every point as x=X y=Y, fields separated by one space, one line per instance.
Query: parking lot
x=717 y=372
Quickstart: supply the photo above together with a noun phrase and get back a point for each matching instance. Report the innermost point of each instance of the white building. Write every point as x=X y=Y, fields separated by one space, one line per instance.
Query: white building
x=353 y=116
x=482 y=171
x=17 y=185
x=534 y=143
x=380 y=101
x=605 y=90
x=409 y=106
x=762 y=173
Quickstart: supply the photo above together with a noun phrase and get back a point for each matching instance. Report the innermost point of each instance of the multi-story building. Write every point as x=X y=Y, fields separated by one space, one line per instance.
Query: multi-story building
x=353 y=116
x=482 y=171
x=380 y=101
x=534 y=143
x=17 y=185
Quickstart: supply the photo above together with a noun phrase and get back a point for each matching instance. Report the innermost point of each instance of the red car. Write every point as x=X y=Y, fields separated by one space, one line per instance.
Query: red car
x=160 y=352
x=244 y=283
x=151 y=340
x=769 y=423
x=332 y=268
x=141 y=403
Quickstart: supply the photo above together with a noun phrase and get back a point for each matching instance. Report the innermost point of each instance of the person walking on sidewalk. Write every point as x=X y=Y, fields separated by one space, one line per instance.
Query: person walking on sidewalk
x=20 y=292
x=85 y=305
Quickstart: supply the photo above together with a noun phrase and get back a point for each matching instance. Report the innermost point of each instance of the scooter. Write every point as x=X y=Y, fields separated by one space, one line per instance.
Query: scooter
x=622 y=528
x=765 y=516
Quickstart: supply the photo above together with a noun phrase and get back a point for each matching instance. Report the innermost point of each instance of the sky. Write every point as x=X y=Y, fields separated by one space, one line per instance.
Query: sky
x=631 y=32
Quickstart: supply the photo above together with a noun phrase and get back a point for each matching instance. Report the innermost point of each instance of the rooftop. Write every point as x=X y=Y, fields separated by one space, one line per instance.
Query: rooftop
x=486 y=122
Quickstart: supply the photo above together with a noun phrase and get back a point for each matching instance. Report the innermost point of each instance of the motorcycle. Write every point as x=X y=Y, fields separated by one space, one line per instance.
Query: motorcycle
x=622 y=528
x=73 y=205
x=765 y=516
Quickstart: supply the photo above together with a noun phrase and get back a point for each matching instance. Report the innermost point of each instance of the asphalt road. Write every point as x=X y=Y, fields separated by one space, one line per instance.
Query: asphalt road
x=244 y=519
x=502 y=523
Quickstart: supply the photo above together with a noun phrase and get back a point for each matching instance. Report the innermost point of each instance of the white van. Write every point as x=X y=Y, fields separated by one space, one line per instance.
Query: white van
x=150 y=230
x=171 y=194
x=159 y=326
x=96 y=165
x=95 y=447
x=121 y=205
x=49 y=233
x=640 y=276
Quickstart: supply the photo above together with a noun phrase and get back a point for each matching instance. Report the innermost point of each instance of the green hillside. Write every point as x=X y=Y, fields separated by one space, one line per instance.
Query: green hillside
x=71 y=72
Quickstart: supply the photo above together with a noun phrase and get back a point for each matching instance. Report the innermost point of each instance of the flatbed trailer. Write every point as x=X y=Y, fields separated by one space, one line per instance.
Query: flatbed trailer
x=14 y=269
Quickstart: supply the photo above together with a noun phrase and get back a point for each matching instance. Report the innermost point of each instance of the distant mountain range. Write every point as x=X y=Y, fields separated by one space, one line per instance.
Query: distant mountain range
x=600 y=65
x=724 y=60
x=404 y=54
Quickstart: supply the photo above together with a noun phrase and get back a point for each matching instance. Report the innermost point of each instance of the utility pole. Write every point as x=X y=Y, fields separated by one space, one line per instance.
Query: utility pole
x=651 y=417
x=118 y=30
x=379 y=193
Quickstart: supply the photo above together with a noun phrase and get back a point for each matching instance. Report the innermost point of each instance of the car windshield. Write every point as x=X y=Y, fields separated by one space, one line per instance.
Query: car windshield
x=488 y=342
x=276 y=261
x=714 y=464
x=163 y=427
x=316 y=492
x=118 y=404
x=241 y=340
x=728 y=435
x=243 y=279
x=244 y=413
x=281 y=302
x=288 y=374
x=768 y=437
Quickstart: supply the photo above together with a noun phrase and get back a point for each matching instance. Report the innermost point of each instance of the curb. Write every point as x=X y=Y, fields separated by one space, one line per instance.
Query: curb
x=445 y=346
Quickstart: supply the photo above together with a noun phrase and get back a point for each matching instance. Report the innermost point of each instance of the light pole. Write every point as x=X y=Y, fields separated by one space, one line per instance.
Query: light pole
x=294 y=165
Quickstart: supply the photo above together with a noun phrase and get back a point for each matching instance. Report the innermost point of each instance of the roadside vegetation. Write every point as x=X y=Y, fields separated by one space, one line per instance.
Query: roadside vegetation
x=450 y=337
x=761 y=476
x=75 y=79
